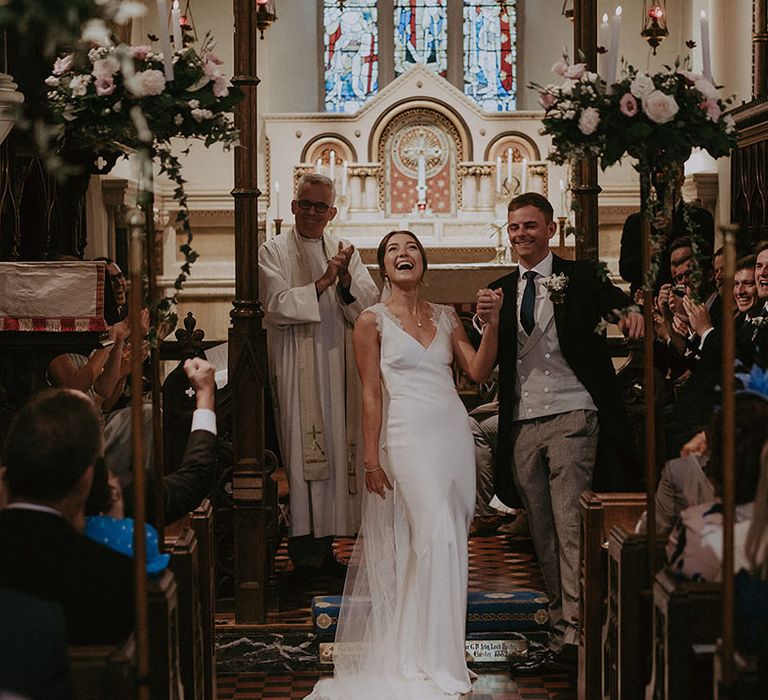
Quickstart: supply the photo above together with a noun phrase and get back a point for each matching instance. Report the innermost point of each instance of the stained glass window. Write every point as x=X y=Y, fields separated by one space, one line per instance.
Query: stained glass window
x=421 y=35
x=351 y=54
x=490 y=54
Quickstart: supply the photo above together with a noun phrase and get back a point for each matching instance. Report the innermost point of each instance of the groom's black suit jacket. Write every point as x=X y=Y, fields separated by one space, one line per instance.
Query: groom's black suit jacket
x=587 y=299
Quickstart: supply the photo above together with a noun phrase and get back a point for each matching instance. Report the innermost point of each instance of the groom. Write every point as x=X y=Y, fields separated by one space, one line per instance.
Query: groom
x=560 y=411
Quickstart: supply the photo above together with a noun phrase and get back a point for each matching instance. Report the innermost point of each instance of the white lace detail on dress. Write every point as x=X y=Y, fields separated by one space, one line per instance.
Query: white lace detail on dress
x=451 y=315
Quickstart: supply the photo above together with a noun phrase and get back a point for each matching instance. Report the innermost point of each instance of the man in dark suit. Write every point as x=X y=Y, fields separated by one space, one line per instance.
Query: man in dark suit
x=49 y=458
x=559 y=405
x=668 y=228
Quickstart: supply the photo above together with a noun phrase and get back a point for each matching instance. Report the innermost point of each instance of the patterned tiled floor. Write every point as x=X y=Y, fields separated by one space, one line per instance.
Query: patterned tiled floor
x=489 y=686
x=496 y=563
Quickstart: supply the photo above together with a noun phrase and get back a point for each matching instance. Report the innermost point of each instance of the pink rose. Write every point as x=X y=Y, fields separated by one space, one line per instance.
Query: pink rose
x=559 y=68
x=220 y=86
x=62 y=65
x=575 y=71
x=213 y=58
x=546 y=100
x=712 y=109
x=628 y=105
x=104 y=85
x=105 y=67
x=140 y=52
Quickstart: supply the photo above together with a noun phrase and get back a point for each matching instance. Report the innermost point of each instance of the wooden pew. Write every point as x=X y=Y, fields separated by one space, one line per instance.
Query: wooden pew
x=163 y=614
x=103 y=672
x=181 y=544
x=627 y=631
x=201 y=520
x=599 y=513
x=686 y=614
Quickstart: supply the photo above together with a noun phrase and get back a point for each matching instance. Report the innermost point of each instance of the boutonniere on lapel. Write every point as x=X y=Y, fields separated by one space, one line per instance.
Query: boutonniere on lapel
x=556 y=286
x=757 y=322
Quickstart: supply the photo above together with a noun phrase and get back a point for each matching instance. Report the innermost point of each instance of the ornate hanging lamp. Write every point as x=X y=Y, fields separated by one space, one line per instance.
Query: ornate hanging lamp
x=654 y=23
x=265 y=15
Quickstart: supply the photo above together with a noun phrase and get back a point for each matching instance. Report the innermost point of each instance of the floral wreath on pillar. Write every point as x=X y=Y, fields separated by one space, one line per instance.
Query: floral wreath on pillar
x=113 y=101
x=656 y=118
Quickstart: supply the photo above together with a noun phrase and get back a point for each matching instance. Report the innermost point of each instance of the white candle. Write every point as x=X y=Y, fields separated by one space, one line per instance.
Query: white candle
x=604 y=39
x=332 y=168
x=613 y=49
x=524 y=176
x=498 y=174
x=162 y=10
x=705 y=54
x=344 y=176
x=319 y=166
x=176 y=26
x=563 y=206
x=509 y=166
x=277 y=199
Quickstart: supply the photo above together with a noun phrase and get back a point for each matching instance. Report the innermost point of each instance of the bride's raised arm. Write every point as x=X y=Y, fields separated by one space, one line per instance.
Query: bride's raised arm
x=367 y=354
x=479 y=363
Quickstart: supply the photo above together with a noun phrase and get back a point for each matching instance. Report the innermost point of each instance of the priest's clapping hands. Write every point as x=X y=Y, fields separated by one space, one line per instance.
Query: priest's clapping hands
x=338 y=268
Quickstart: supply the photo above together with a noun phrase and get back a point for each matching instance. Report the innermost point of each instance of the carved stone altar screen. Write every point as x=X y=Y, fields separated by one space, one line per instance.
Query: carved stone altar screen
x=419 y=133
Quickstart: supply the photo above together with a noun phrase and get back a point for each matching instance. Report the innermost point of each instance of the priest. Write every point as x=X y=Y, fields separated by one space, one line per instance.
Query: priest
x=313 y=287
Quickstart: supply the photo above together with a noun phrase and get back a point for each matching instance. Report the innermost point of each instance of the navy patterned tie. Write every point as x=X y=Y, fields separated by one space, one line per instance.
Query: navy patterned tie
x=529 y=299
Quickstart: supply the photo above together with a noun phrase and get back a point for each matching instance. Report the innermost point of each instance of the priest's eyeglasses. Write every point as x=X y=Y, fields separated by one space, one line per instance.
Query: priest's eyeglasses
x=306 y=205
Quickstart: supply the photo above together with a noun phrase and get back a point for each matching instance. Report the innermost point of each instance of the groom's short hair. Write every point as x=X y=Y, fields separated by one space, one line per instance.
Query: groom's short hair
x=532 y=199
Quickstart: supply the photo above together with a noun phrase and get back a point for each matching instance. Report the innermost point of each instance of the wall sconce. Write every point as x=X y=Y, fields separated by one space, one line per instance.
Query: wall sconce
x=654 y=23
x=265 y=14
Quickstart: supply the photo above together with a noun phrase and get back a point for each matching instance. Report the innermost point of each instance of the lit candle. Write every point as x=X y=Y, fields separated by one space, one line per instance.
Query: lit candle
x=604 y=39
x=162 y=10
x=705 y=54
x=524 y=176
x=319 y=166
x=344 y=176
x=509 y=166
x=277 y=199
x=332 y=168
x=613 y=50
x=498 y=174
x=176 y=26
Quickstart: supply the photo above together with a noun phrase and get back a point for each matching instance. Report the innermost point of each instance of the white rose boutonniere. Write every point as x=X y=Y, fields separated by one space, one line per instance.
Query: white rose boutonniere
x=757 y=323
x=556 y=286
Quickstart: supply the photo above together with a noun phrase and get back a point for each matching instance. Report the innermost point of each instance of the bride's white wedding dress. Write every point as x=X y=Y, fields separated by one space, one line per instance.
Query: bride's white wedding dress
x=402 y=621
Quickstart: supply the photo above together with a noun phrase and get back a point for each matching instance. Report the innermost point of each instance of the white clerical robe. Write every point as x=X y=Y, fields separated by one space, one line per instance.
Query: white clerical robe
x=329 y=506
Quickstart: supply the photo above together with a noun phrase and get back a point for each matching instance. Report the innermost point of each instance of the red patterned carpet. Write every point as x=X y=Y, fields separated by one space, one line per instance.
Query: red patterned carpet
x=497 y=563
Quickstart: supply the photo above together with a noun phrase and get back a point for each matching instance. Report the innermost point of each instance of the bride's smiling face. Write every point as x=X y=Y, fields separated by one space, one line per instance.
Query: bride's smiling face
x=403 y=261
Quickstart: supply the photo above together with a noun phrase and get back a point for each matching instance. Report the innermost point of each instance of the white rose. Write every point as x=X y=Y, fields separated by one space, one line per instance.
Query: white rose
x=567 y=87
x=589 y=120
x=660 y=108
x=193 y=104
x=52 y=81
x=152 y=81
x=707 y=89
x=79 y=85
x=642 y=85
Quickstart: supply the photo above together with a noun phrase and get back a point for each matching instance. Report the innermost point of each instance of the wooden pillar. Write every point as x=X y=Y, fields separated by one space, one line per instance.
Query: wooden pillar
x=760 y=49
x=247 y=342
x=584 y=185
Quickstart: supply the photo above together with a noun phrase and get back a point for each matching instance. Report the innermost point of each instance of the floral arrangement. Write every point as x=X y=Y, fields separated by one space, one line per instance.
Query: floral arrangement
x=113 y=101
x=556 y=286
x=656 y=118
x=651 y=117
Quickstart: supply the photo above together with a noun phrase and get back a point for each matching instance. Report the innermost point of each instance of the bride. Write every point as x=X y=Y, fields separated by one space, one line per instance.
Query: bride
x=402 y=621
